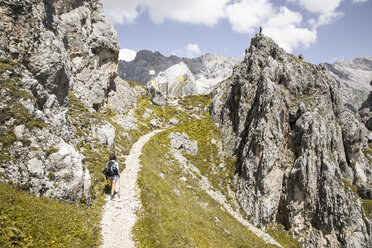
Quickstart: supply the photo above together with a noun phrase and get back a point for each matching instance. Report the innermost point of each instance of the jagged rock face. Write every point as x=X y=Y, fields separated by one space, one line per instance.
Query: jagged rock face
x=157 y=94
x=138 y=69
x=365 y=111
x=176 y=81
x=296 y=147
x=121 y=97
x=353 y=79
x=203 y=72
x=59 y=46
x=65 y=44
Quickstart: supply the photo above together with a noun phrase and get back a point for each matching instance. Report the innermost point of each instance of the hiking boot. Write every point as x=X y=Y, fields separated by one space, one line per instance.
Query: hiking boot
x=112 y=196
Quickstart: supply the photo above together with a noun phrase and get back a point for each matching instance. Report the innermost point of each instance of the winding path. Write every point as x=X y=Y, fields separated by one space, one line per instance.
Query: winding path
x=119 y=214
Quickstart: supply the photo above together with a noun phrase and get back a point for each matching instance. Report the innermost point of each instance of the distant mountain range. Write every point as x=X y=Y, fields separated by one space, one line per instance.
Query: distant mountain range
x=200 y=74
x=354 y=80
x=203 y=73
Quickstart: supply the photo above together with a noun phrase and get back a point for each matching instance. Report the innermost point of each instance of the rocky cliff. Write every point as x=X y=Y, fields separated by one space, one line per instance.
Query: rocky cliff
x=365 y=111
x=302 y=159
x=203 y=73
x=51 y=51
x=353 y=79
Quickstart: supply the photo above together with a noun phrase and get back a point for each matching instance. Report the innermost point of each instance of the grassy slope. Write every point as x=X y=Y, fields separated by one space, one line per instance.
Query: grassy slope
x=29 y=221
x=177 y=213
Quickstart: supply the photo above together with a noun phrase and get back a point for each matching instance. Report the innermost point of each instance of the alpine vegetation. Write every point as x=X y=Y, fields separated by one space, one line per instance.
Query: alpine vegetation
x=267 y=157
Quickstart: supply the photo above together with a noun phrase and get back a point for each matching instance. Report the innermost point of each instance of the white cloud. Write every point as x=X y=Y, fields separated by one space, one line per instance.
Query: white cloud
x=192 y=50
x=244 y=16
x=127 y=54
x=328 y=18
x=320 y=6
x=282 y=24
x=282 y=27
x=206 y=12
x=121 y=12
x=325 y=9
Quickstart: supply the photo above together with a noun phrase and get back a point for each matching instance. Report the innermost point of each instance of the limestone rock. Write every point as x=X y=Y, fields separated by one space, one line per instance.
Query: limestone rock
x=182 y=141
x=176 y=81
x=121 y=97
x=61 y=46
x=146 y=115
x=297 y=147
x=127 y=122
x=365 y=112
x=105 y=134
x=73 y=47
x=156 y=123
x=35 y=167
x=69 y=173
x=157 y=95
x=174 y=121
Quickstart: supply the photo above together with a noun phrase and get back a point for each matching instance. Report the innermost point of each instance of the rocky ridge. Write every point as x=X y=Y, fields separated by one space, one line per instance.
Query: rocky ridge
x=201 y=74
x=301 y=156
x=365 y=112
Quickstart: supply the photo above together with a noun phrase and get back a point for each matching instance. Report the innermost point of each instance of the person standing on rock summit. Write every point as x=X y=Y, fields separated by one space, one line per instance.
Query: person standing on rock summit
x=113 y=173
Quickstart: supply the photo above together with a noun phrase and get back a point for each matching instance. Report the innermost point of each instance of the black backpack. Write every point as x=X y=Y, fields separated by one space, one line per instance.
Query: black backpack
x=111 y=170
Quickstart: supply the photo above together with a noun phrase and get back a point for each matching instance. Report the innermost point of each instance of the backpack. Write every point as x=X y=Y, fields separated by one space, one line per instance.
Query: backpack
x=111 y=170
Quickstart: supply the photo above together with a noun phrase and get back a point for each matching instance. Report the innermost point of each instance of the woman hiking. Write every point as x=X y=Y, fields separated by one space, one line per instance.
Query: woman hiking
x=113 y=173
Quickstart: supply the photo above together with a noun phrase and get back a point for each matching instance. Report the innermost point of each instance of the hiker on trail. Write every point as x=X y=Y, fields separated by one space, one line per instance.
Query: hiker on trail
x=113 y=173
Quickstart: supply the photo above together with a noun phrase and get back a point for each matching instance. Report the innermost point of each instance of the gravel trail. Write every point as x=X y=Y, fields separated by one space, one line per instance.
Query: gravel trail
x=119 y=214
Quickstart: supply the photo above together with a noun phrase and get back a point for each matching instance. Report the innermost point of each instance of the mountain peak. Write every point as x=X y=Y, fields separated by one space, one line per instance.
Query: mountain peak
x=284 y=120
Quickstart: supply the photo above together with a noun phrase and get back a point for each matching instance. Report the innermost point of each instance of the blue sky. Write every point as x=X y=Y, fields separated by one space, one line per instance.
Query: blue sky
x=323 y=30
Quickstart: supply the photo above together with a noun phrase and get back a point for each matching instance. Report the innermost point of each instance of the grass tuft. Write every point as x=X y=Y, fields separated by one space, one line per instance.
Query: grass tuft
x=281 y=235
x=367 y=205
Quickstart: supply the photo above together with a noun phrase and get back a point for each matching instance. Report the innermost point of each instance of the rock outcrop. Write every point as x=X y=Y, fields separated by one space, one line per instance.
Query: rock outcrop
x=365 y=111
x=300 y=153
x=179 y=81
x=49 y=49
x=203 y=73
x=353 y=79
x=181 y=141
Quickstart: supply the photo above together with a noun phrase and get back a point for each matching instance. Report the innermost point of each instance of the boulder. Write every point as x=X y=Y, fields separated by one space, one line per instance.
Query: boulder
x=156 y=95
x=174 y=121
x=181 y=141
x=106 y=134
x=156 y=123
